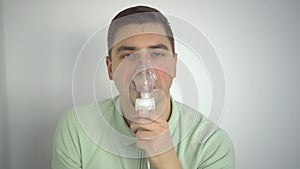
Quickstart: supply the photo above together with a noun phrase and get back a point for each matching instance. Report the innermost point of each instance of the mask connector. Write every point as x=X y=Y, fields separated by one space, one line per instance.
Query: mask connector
x=145 y=81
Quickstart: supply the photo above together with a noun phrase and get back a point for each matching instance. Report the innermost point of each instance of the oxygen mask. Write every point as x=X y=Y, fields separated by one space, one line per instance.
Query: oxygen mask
x=138 y=83
x=144 y=83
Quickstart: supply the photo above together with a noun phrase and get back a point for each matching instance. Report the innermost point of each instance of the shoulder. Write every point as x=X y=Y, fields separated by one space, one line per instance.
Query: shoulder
x=74 y=118
x=218 y=151
x=199 y=125
x=209 y=143
x=88 y=109
x=71 y=136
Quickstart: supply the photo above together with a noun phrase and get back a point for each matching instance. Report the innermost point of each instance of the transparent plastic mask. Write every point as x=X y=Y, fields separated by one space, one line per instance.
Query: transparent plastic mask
x=136 y=77
x=144 y=81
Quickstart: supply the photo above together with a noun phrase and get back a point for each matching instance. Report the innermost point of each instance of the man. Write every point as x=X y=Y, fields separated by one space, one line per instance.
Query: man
x=141 y=48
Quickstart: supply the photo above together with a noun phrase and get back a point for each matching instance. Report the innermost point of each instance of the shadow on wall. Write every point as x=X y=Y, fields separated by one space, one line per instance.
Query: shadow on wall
x=4 y=134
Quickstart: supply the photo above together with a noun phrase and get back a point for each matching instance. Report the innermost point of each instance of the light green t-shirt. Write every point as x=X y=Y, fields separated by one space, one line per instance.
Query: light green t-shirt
x=97 y=137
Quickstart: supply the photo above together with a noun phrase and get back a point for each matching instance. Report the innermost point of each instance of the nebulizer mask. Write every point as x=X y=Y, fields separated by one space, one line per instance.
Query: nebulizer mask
x=144 y=82
x=138 y=82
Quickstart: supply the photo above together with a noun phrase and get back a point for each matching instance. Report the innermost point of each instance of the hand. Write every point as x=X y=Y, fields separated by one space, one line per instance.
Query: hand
x=153 y=136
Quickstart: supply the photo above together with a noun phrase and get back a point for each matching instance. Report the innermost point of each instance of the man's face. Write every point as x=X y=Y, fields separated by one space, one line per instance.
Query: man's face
x=140 y=39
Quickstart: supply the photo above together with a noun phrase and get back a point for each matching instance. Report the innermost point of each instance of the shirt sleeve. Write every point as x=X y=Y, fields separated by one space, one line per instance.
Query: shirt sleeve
x=218 y=152
x=66 y=144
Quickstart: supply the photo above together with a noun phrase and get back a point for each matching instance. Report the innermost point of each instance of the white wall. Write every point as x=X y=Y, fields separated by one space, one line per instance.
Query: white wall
x=257 y=41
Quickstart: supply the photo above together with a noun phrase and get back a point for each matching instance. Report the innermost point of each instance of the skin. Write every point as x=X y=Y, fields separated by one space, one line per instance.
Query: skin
x=152 y=132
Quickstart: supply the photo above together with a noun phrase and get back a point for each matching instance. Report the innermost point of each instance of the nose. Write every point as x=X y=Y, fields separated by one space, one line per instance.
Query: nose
x=143 y=63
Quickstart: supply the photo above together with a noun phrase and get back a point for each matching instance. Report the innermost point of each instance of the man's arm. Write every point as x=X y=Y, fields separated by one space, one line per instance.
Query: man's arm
x=153 y=136
x=66 y=148
x=217 y=152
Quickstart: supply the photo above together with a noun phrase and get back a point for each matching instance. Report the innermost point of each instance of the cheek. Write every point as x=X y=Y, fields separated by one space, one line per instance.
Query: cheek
x=121 y=79
x=164 y=79
x=114 y=66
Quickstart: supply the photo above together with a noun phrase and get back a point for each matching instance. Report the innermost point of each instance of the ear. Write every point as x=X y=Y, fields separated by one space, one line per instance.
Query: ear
x=175 y=64
x=109 y=67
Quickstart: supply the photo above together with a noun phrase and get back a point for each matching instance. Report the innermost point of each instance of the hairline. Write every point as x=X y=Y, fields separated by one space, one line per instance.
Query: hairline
x=155 y=16
x=114 y=42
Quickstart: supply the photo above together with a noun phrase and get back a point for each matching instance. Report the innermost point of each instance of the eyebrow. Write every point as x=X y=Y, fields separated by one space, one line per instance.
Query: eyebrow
x=124 y=48
x=132 y=48
x=159 y=46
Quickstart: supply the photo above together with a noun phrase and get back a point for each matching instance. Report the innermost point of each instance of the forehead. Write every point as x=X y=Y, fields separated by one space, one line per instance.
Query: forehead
x=132 y=30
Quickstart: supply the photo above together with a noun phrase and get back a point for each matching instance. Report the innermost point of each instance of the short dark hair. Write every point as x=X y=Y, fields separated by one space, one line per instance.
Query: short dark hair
x=140 y=15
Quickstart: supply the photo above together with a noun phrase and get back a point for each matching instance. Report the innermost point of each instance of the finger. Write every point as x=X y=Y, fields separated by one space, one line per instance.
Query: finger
x=151 y=115
x=151 y=134
x=149 y=130
x=143 y=126
x=137 y=117
x=145 y=135
x=155 y=145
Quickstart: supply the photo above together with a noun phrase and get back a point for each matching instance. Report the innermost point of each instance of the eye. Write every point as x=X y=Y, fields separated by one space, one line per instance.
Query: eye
x=157 y=54
x=128 y=55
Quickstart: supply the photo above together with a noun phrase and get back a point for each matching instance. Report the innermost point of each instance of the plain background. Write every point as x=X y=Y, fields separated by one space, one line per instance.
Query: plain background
x=257 y=42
